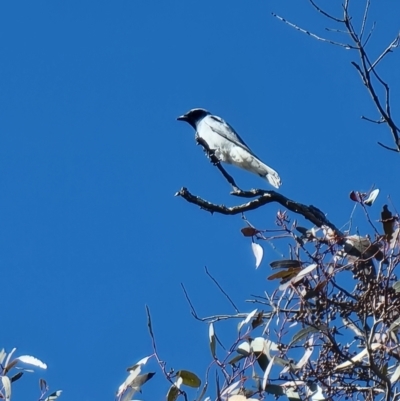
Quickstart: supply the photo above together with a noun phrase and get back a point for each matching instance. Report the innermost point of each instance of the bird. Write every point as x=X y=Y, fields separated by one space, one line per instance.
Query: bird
x=227 y=145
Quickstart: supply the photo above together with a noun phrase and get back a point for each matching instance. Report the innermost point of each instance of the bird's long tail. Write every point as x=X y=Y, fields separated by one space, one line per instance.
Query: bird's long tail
x=270 y=175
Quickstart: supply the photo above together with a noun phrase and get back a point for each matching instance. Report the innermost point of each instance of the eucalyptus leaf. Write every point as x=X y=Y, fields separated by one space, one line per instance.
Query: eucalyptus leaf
x=173 y=393
x=303 y=333
x=189 y=378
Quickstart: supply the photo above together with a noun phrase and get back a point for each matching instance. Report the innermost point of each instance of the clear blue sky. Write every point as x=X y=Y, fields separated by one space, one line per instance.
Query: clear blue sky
x=91 y=155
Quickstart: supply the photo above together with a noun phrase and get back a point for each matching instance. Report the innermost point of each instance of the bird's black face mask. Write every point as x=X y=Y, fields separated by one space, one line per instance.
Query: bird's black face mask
x=193 y=116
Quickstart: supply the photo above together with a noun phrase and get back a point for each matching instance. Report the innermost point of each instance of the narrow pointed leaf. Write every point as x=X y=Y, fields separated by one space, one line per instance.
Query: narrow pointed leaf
x=303 y=333
x=267 y=372
x=16 y=377
x=258 y=321
x=358 y=357
x=230 y=389
x=396 y=286
x=236 y=359
x=247 y=319
x=2 y=356
x=10 y=366
x=371 y=197
x=285 y=274
x=31 y=360
x=258 y=253
x=387 y=222
x=133 y=374
x=304 y=272
x=211 y=337
x=395 y=326
x=53 y=396
x=173 y=393
x=128 y=394
x=6 y=387
x=395 y=238
x=141 y=379
x=258 y=348
x=307 y=354
x=203 y=391
x=142 y=362
x=395 y=376
x=9 y=356
x=279 y=264
x=42 y=385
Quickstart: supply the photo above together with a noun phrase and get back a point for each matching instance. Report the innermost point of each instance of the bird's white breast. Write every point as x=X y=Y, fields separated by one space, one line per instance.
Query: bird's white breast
x=224 y=149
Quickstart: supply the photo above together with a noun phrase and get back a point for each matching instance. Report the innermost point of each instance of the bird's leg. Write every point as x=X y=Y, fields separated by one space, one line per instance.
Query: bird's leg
x=216 y=162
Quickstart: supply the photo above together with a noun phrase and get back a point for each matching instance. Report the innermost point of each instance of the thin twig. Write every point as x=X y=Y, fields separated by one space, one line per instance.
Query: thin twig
x=313 y=35
x=222 y=290
x=388 y=147
x=372 y=121
x=364 y=20
x=393 y=45
x=325 y=13
x=193 y=310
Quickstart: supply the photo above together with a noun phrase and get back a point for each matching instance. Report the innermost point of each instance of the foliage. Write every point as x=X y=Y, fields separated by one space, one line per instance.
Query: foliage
x=330 y=328
x=12 y=371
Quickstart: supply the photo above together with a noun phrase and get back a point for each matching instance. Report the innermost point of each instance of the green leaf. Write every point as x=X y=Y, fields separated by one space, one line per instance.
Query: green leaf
x=42 y=385
x=203 y=391
x=274 y=389
x=395 y=376
x=262 y=360
x=236 y=359
x=258 y=320
x=395 y=326
x=249 y=231
x=396 y=286
x=285 y=274
x=189 y=378
x=211 y=337
x=292 y=395
x=284 y=264
x=141 y=379
x=53 y=396
x=303 y=333
x=387 y=222
x=16 y=377
x=173 y=393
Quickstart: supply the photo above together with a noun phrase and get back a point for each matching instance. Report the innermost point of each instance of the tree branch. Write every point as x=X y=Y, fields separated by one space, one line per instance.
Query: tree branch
x=366 y=69
x=311 y=213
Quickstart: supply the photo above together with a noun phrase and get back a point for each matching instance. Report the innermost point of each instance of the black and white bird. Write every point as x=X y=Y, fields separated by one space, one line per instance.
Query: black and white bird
x=227 y=145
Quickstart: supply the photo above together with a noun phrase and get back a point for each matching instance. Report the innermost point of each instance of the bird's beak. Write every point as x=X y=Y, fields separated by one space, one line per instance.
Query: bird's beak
x=182 y=118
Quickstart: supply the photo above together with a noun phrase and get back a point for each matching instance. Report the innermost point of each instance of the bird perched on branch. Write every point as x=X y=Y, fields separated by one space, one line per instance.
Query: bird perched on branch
x=227 y=145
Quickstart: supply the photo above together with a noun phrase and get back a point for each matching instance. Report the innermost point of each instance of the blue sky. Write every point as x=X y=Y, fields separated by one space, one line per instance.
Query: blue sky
x=91 y=155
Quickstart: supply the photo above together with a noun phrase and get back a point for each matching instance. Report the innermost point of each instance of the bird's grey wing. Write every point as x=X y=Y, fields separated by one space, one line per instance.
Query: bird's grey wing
x=222 y=128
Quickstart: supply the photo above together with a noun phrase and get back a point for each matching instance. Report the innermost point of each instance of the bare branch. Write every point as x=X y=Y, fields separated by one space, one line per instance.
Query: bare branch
x=365 y=18
x=373 y=121
x=389 y=49
x=388 y=147
x=311 y=213
x=324 y=12
x=313 y=35
x=366 y=68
